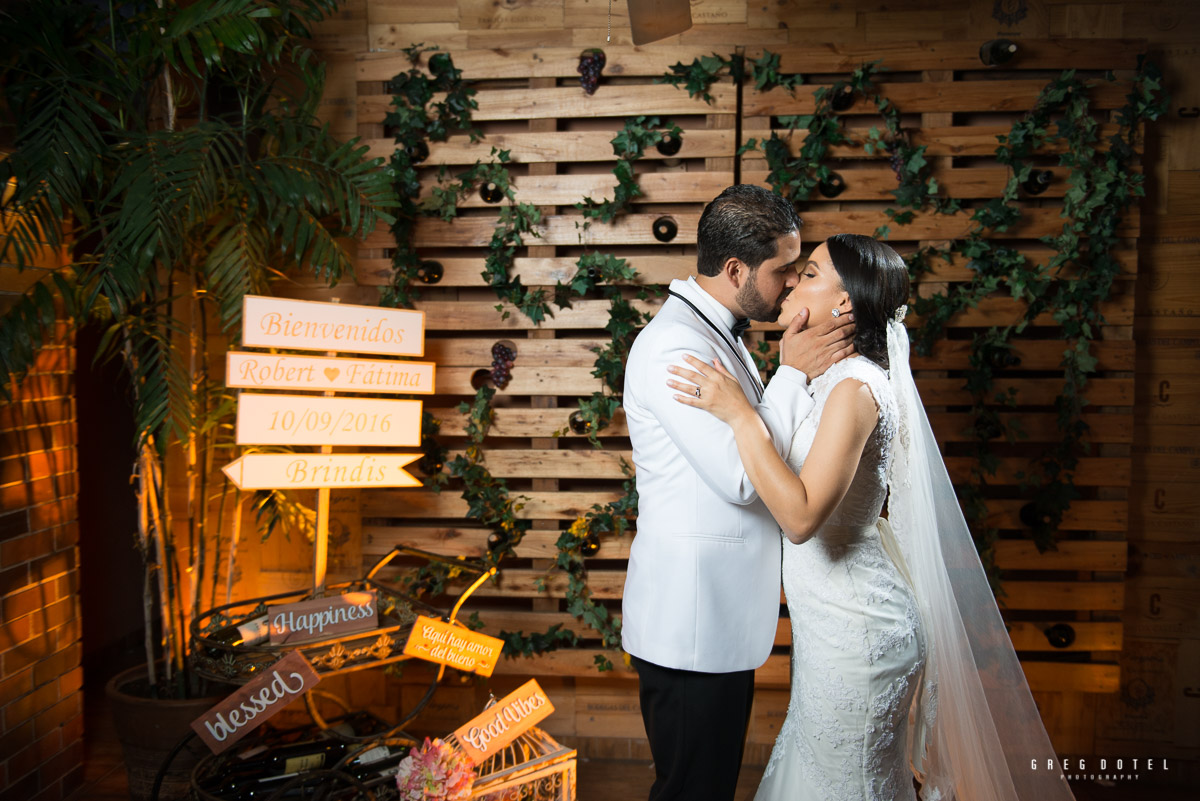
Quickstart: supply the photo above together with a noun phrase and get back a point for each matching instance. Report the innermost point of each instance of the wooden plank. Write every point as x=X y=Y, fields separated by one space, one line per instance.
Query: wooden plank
x=959 y=140
x=1069 y=555
x=958 y=96
x=958 y=427
x=551 y=381
x=1081 y=516
x=1042 y=676
x=1029 y=391
x=510 y=422
x=1094 y=472
x=561 y=352
x=530 y=104
x=1027 y=636
x=963 y=183
x=400 y=504
x=572 y=147
x=906 y=56
x=455 y=541
x=1072 y=677
x=660 y=270
x=542 y=62
x=953 y=354
x=536 y=505
x=1082 y=595
x=637 y=229
x=513 y=14
x=567 y=190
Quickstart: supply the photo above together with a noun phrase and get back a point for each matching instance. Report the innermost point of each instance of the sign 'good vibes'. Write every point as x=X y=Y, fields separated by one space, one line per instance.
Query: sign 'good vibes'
x=483 y=736
x=255 y=703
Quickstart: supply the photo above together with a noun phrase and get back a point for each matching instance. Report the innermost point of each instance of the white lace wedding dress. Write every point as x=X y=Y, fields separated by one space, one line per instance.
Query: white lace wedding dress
x=857 y=643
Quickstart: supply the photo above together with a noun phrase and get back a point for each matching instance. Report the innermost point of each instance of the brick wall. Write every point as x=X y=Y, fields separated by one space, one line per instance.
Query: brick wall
x=41 y=697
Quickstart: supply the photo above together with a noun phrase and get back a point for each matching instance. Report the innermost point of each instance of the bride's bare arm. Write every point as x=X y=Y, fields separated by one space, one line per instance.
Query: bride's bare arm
x=799 y=503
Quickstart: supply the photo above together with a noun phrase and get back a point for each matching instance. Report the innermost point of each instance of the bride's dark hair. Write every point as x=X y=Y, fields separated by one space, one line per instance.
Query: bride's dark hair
x=876 y=279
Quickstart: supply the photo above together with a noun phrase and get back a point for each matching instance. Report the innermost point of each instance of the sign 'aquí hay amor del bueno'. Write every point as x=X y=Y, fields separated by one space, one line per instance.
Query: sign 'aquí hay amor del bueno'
x=253 y=704
x=484 y=735
x=321 y=618
x=454 y=646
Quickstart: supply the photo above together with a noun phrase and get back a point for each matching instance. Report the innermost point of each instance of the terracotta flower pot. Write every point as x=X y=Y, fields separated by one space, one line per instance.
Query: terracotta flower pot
x=150 y=728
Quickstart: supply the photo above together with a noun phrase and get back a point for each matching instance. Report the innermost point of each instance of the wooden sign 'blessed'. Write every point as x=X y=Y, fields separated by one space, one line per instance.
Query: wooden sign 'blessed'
x=484 y=735
x=251 y=706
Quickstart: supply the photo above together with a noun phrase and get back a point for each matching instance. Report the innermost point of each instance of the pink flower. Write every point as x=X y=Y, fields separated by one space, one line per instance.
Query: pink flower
x=435 y=772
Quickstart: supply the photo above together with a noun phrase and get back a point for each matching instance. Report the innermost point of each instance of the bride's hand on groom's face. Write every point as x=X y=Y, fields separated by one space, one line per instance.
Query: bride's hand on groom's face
x=818 y=347
x=720 y=393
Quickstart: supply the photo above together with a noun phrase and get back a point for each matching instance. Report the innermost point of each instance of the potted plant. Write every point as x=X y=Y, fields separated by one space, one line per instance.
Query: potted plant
x=172 y=149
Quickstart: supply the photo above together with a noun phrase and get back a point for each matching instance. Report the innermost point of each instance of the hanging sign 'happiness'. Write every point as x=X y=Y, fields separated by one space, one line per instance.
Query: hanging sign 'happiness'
x=311 y=325
x=321 y=618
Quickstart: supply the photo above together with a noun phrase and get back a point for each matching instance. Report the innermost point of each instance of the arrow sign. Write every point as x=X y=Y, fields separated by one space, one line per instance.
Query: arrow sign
x=317 y=470
x=281 y=371
x=312 y=325
x=269 y=419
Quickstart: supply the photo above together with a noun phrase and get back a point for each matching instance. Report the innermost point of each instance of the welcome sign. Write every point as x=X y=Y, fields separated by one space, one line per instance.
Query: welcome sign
x=256 y=702
x=312 y=325
x=484 y=735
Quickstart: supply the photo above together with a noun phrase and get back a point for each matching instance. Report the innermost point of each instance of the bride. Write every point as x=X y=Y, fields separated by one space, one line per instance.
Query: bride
x=901 y=664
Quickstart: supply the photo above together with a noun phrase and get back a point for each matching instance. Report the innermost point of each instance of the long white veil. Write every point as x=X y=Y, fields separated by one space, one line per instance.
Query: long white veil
x=976 y=734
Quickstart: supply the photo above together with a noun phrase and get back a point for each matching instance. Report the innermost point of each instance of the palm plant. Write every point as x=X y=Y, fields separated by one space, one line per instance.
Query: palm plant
x=172 y=149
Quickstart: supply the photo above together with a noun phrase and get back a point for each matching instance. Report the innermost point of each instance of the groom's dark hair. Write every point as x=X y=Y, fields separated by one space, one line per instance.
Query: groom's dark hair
x=743 y=222
x=876 y=279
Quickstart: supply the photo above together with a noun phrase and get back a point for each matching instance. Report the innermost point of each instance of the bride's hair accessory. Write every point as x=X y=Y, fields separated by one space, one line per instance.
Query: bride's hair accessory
x=901 y=313
x=975 y=730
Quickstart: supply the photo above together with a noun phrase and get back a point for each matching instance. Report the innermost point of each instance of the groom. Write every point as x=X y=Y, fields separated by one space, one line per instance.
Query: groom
x=701 y=597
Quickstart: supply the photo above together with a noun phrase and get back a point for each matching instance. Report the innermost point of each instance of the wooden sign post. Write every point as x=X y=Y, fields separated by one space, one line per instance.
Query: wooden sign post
x=326 y=420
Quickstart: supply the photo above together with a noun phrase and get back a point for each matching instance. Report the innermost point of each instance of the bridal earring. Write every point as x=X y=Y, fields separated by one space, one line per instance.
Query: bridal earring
x=837 y=312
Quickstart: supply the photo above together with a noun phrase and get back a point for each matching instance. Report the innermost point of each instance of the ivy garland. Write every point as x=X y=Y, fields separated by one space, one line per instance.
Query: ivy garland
x=1101 y=191
x=488 y=497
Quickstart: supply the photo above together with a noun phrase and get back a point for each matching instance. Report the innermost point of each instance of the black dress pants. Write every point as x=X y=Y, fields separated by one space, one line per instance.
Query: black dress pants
x=696 y=724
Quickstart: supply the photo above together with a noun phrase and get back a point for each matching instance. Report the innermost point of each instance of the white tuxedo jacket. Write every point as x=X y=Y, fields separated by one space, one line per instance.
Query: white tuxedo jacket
x=702 y=591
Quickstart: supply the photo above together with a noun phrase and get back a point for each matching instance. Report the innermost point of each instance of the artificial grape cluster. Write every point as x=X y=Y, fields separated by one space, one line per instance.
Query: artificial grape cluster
x=591 y=64
x=897 y=163
x=502 y=362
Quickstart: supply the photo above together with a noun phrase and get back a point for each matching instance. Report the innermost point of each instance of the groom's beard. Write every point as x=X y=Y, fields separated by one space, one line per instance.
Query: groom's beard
x=755 y=306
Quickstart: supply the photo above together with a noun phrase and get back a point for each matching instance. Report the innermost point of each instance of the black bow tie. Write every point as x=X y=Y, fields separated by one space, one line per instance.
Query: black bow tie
x=740 y=326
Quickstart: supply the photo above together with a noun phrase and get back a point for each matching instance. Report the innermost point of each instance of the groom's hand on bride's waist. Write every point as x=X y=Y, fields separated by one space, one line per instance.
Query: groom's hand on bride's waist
x=815 y=349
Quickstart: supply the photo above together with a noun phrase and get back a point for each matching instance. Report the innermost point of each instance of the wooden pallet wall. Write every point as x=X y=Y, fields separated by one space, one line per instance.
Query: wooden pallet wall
x=929 y=39
x=558 y=137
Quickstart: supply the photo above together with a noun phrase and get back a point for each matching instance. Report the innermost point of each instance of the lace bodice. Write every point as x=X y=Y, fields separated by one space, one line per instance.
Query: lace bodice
x=867 y=492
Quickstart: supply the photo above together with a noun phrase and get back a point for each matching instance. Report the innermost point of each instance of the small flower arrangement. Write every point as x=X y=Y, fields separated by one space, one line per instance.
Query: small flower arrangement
x=435 y=772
